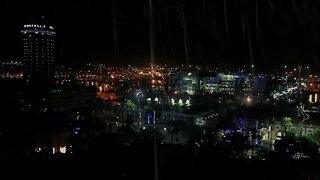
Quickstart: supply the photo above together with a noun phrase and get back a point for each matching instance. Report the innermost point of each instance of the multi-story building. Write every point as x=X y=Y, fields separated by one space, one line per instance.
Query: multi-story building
x=221 y=82
x=38 y=53
x=185 y=81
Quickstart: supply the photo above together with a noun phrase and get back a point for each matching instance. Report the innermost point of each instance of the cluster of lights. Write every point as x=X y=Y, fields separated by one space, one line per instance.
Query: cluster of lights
x=16 y=63
x=313 y=98
x=62 y=150
x=9 y=75
x=180 y=102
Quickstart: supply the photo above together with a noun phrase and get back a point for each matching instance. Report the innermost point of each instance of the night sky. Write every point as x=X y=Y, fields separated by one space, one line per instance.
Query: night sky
x=267 y=33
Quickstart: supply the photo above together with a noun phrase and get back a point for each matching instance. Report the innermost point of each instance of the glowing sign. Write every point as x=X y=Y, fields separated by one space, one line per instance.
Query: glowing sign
x=37 y=26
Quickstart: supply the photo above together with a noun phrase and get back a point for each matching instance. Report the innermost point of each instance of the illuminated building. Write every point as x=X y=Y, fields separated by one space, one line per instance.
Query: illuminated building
x=226 y=83
x=231 y=83
x=185 y=81
x=38 y=53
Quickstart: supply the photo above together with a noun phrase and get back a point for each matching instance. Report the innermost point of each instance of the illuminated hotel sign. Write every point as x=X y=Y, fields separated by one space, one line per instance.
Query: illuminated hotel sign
x=36 y=26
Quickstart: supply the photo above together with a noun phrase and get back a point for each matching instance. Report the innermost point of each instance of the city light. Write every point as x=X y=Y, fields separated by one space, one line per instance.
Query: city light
x=188 y=103
x=63 y=149
x=172 y=102
x=168 y=88
x=139 y=95
x=310 y=98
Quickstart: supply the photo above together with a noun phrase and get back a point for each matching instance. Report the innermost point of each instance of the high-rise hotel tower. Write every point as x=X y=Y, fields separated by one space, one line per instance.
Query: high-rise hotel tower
x=38 y=53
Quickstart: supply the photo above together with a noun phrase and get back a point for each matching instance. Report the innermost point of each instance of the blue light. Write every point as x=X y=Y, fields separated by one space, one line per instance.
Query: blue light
x=242 y=123
x=149 y=117
x=238 y=75
x=228 y=131
x=38 y=31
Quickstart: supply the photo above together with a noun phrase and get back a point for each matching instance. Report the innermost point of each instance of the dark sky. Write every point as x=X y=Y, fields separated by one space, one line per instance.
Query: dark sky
x=236 y=32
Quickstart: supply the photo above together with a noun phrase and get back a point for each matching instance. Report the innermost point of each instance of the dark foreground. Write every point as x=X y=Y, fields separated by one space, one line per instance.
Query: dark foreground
x=175 y=162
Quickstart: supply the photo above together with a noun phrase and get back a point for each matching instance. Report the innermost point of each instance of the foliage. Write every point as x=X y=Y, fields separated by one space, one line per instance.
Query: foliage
x=130 y=104
x=291 y=145
x=309 y=146
x=286 y=123
x=315 y=136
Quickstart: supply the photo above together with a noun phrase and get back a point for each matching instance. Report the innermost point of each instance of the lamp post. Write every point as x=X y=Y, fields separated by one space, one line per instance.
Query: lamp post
x=305 y=116
x=139 y=96
x=155 y=147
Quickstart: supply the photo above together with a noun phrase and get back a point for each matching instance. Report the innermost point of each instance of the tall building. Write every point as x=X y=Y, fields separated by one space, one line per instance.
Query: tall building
x=38 y=53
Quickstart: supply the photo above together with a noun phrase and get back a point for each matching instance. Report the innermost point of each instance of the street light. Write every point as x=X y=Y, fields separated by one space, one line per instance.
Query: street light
x=139 y=95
